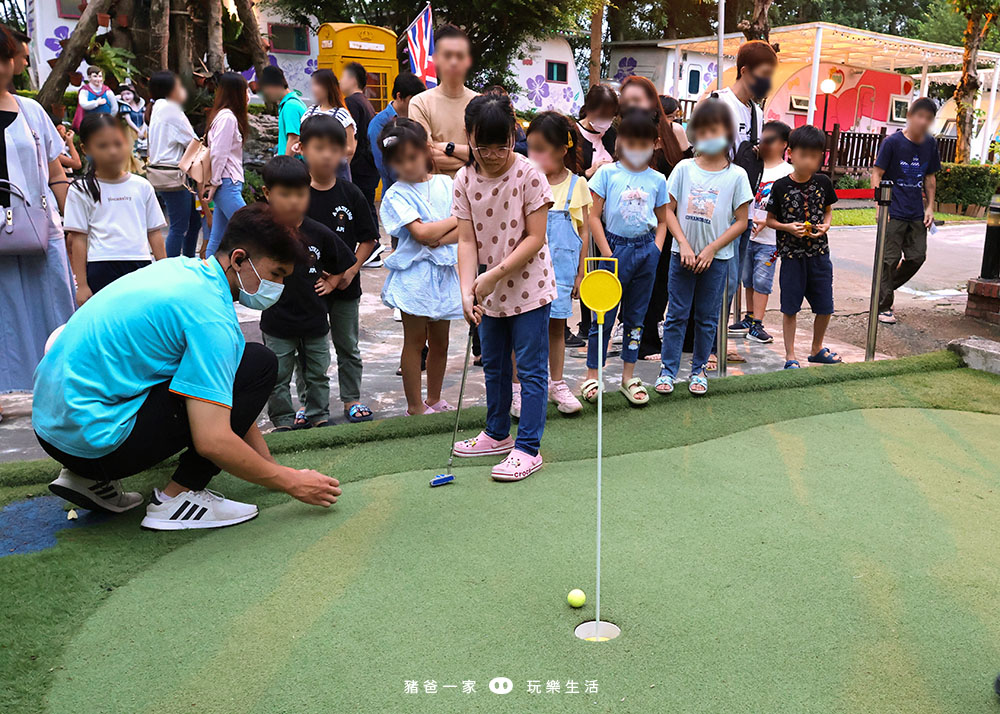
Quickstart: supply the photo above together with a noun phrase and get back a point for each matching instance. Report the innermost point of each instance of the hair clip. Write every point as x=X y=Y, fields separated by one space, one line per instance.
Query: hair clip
x=389 y=141
x=569 y=141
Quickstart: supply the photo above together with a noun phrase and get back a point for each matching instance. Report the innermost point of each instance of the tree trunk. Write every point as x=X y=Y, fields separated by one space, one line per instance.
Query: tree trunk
x=52 y=91
x=181 y=23
x=968 y=86
x=757 y=27
x=251 y=30
x=596 y=36
x=122 y=36
x=215 y=56
x=159 y=33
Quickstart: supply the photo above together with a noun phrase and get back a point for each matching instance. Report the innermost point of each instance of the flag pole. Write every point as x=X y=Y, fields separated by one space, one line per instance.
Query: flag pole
x=405 y=32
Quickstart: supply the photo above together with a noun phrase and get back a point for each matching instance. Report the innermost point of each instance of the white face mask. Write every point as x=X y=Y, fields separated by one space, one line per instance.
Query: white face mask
x=637 y=157
x=601 y=125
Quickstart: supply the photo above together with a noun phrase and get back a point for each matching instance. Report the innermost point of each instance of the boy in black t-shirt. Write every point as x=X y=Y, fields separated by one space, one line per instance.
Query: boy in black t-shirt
x=800 y=210
x=295 y=328
x=341 y=207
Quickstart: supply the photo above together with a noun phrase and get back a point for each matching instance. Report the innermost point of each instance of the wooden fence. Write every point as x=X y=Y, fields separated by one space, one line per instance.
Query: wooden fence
x=855 y=151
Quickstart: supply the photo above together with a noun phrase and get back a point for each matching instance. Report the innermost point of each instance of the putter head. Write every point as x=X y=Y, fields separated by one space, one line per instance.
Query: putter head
x=442 y=479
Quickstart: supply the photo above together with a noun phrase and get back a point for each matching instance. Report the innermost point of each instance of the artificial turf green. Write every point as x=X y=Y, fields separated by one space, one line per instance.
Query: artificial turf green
x=844 y=568
x=48 y=594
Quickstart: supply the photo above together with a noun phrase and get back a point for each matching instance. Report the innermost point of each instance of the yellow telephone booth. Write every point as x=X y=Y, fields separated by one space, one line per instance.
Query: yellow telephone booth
x=341 y=43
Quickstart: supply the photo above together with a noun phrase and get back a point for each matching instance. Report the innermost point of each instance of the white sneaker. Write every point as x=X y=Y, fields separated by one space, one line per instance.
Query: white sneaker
x=195 y=509
x=562 y=396
x=617 y=334
x=515 y=401
x=106 y=496
x=375 y=259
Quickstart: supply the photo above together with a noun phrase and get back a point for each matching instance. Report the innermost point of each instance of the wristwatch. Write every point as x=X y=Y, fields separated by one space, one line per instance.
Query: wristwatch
x=449 y=150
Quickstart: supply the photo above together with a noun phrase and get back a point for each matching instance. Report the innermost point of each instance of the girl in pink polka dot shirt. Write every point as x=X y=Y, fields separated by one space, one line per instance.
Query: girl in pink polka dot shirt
x=508 y=284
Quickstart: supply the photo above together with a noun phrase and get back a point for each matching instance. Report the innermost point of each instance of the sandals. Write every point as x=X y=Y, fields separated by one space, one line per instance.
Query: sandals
x=635 y=392
x=735 y=357
x=698 y=384
x=825 y=356
x=358 y=413
x=792 y=364
x=589 y=389
x=664 y=384
x=300 y=420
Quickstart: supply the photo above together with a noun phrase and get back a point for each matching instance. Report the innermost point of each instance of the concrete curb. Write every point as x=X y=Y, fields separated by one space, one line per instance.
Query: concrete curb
x=978 y=353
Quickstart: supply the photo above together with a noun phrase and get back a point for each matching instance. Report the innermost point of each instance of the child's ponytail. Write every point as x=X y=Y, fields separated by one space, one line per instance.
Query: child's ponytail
x=557 y=130
x=91 y=124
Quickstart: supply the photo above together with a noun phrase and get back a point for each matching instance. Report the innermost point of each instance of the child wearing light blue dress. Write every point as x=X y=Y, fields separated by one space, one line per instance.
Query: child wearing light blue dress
x=423 y=280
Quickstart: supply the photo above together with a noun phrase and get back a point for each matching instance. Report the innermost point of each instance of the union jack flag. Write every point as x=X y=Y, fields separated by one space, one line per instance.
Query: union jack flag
x=420 y=41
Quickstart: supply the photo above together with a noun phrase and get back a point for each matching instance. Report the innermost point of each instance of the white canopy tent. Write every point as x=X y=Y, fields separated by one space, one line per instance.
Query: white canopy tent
x=816 y=42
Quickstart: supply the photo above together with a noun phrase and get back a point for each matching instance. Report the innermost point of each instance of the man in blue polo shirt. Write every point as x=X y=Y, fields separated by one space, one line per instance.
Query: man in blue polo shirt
x=156 y=364
x=405 y=87
x=909 y=158
x=274 y=87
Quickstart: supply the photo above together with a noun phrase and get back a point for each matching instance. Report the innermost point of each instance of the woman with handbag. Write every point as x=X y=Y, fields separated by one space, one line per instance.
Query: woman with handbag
x=170 y=133
x=228 y=125
x=36 y=294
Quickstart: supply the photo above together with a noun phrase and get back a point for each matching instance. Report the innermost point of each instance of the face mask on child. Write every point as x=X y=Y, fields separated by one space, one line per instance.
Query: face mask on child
x=712 y=146
x=267 y=293
x=637 y=157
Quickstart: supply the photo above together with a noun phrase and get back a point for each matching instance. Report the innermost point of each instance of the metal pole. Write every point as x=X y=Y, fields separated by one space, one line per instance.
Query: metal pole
x=722 y=333
x=989 y=128
x=600 y=454
x=883 y=195
x=814 y=75
x=722 y=33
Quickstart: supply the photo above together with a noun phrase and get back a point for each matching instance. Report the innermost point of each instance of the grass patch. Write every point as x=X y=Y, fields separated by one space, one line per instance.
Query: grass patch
x=49 y=593
x=869 y=217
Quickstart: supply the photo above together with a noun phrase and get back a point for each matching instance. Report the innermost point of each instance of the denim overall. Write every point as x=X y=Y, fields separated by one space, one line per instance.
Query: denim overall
x=564 y=245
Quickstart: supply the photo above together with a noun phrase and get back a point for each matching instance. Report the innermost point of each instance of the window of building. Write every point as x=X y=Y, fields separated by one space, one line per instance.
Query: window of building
x=694 y=80
x=556 y=71
x=292 y=39
x=69 y=9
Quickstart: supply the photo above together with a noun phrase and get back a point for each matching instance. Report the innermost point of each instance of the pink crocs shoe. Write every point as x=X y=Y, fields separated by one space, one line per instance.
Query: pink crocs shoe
x=518 y=466
x=562 y=396
x=483 y=445
x=439 y=406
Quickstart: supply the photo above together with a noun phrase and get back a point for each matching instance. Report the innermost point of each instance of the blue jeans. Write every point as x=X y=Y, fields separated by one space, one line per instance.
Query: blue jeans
x=756 y=273
x=527 y=336
x=637 y=260
x=228 y=200
x=697 y=296
x=740 y=251
x=182 y=235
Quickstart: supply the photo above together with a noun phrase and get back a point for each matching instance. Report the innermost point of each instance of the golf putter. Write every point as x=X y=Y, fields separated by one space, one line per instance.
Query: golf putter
x=448 y=477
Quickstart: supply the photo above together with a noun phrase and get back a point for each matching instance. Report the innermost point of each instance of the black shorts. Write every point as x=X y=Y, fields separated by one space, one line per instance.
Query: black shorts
x=101 y=273
x=810 y=278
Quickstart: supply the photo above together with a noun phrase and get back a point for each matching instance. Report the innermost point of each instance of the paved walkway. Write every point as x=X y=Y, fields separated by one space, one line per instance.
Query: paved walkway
x=954 y=254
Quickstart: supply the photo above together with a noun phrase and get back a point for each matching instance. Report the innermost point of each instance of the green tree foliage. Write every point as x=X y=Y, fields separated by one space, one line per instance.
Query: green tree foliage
x=942 y=22
x=497 y=28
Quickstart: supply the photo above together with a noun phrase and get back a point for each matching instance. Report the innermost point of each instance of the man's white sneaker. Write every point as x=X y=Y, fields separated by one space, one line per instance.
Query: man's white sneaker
x=195 y=509
x=106 y=496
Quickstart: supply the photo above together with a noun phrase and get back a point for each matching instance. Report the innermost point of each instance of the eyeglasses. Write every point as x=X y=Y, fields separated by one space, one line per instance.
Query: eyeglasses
x=487 y=153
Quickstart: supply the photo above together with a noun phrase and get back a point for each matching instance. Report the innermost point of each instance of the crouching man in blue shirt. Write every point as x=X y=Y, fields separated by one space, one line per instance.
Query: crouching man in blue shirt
x=155 y=364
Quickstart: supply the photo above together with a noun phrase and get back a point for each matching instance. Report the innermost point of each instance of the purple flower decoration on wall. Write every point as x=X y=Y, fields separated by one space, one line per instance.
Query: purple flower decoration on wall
x=537 y=90
x=568 y=94
x=54 y=43
x=626 y=68
x=251 y=74
x=311 y=66
x=710 y=74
